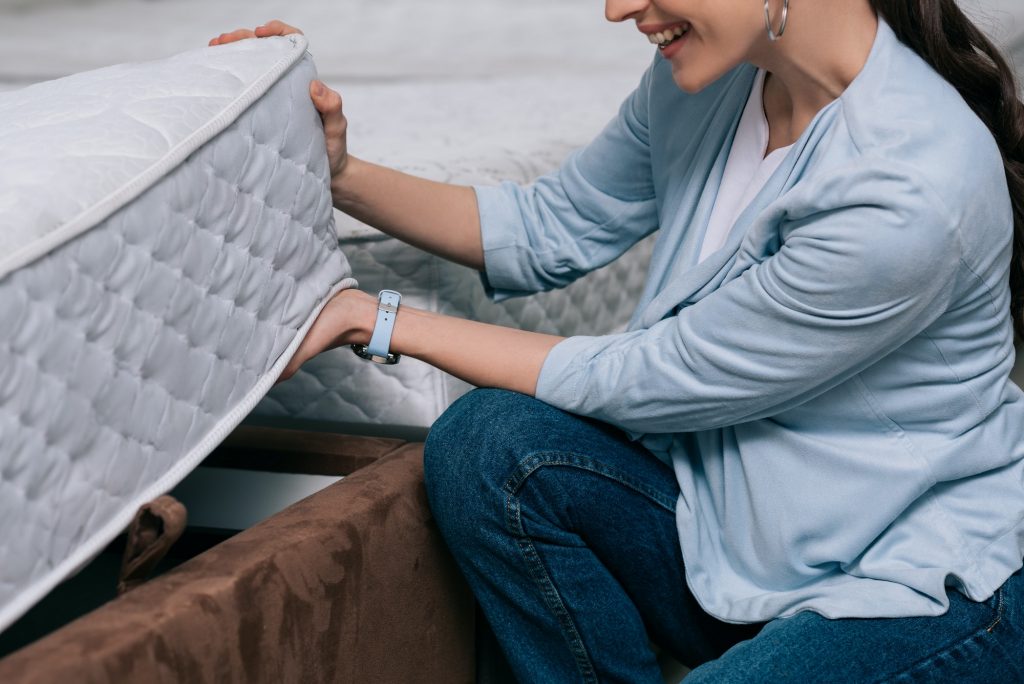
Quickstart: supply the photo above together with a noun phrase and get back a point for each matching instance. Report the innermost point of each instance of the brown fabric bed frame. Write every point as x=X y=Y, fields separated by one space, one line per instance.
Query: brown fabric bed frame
x=352 y=584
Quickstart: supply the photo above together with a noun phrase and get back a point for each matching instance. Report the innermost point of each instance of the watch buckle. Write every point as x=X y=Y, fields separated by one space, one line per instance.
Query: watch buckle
x=389 y=360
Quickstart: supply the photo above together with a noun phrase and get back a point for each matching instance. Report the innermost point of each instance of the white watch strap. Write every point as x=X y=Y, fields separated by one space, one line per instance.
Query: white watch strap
x=387 y=311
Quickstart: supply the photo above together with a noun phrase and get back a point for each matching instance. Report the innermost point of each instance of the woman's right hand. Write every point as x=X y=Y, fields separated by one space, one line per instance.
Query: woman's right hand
x=271 y=28
x=326 y=101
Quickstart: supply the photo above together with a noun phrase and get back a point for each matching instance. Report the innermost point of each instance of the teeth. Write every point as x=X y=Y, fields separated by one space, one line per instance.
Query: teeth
x=664 y=37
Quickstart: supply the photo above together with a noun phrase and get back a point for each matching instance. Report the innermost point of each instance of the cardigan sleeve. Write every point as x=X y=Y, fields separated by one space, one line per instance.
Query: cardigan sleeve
x=848 y=285
x=576 y=219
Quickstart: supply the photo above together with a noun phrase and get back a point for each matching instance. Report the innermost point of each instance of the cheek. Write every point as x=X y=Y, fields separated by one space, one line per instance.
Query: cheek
x=704 y=61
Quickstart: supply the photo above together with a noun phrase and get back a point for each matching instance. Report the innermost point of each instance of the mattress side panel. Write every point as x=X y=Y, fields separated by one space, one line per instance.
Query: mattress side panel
x=131 y=345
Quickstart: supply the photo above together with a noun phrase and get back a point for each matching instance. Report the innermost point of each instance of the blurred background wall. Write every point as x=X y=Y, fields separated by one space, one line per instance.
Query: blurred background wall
x=1004 y=22
x=361 y=39
x=350 y=39
x=22 y=5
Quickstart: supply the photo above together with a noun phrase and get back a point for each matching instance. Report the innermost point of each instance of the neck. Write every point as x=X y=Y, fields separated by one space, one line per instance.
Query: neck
x=825 y=46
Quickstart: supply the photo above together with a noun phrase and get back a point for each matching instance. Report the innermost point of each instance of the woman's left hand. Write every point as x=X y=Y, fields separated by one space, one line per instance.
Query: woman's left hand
x=347 y=318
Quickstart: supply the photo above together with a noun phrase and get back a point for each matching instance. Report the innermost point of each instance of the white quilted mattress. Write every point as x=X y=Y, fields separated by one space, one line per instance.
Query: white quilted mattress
x=490 y=90
x=468 y=132
x=166 y=239
x=339 y=388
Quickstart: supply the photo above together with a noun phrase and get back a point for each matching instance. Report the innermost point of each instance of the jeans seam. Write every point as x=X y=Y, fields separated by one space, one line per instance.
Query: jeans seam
x=531 y=557
x=534 y=462
x=975 y=636
x=999 y=612
x=553 y=600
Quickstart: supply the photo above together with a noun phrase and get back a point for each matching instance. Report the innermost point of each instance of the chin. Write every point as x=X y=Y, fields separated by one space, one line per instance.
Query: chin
x=691 y=83
x=693 y=77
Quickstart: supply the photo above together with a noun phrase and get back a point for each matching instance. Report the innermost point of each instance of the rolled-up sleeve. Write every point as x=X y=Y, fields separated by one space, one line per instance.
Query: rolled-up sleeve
x=578 y=218
x=848 y=285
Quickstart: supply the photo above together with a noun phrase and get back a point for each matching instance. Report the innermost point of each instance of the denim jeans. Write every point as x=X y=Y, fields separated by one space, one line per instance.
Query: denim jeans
x=565 y=531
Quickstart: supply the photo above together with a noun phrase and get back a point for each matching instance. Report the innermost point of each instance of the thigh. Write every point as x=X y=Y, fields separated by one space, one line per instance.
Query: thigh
x=628 y=524
x=979 y=642
x=500 y=463
x=490 y=442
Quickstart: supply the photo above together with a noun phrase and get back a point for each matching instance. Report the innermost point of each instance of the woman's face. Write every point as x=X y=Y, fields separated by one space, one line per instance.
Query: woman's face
x=718 y=34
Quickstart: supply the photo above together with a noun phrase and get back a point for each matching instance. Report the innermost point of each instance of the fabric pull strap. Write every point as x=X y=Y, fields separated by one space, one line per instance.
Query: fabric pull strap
x=155 y=528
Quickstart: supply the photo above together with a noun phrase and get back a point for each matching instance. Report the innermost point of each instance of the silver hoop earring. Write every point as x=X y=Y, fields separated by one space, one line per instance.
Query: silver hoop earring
x=772 y=35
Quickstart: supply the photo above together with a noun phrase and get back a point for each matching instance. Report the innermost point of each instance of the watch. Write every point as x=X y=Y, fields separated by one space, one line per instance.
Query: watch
x=378 y=350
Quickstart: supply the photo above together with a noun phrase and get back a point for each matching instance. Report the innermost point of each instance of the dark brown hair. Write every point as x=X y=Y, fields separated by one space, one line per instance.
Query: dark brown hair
x=941 y=33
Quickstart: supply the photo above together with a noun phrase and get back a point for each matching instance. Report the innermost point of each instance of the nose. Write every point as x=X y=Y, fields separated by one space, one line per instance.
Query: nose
x=621 y=10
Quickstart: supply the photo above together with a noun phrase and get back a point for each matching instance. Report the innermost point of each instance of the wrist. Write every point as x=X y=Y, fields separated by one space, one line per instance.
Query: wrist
x=341 y=182
x=379 y=348
x=364 y=318
x=355 y=313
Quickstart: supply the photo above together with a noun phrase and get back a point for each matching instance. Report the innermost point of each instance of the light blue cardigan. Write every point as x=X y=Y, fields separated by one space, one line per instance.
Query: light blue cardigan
x=832 y=385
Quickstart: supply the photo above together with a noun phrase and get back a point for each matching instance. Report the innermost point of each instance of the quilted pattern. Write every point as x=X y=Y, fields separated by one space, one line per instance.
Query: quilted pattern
x=128 y=352
x=337 y=386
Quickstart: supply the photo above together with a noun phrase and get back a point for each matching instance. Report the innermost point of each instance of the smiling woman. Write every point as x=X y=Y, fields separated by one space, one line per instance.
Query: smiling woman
x=805 y=447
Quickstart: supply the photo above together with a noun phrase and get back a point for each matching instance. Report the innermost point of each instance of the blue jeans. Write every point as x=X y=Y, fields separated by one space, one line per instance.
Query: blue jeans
x=565 y=531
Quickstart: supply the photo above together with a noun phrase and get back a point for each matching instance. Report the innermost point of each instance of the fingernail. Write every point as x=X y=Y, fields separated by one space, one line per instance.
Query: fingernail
x=319 y=88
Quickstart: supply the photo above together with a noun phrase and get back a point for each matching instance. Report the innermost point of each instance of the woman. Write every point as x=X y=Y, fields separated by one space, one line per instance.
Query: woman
x=804 y=460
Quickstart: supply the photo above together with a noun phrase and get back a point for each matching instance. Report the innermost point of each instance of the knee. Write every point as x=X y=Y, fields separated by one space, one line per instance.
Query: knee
x=470 y=451
x=476 y=424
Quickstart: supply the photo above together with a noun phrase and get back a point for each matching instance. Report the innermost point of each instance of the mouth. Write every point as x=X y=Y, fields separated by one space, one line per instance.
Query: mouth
x=668 y=36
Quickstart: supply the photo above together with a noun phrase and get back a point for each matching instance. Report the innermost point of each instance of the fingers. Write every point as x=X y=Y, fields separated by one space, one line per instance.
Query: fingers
x=271 y=28
x=237 y=34
x=302 y=354
x=275 y=28
x=328 y=103
x=285 y=374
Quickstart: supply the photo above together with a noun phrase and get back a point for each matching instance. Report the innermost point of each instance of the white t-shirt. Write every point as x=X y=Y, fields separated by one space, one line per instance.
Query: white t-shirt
x=746 y=171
